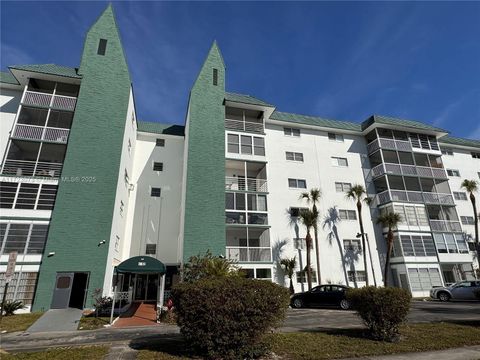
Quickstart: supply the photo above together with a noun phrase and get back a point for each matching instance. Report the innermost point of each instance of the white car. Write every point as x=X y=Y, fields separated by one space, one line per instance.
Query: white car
x=463 y=290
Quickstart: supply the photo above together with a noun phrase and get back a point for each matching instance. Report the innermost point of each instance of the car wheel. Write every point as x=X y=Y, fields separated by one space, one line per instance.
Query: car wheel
x=344 y=304
x=297 y=303
x=443 y=296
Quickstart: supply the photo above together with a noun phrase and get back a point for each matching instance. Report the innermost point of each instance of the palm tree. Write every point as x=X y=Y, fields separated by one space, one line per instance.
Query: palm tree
x=390 y=220
x=289 y=268
x=313 y=196
x=358 y=194
x=472 y=186
x=308 y=218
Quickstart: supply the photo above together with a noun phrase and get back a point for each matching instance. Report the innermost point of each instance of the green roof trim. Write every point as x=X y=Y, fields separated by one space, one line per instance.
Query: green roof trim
x=459 y=141
x=387 y=120
x=51 y=69
x=245 y=99
x=158 y=128
x=7 y=77
x=315 y=121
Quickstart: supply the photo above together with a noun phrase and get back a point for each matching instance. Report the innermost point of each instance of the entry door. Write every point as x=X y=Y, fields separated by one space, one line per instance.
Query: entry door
x=63 y=288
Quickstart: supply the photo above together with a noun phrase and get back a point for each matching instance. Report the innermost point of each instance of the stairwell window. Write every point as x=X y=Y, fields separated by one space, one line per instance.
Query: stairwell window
x=157 y=166
x=155 y=192
x=150 y=249
x=160 y=142
x=102 y=47
x=338 y=161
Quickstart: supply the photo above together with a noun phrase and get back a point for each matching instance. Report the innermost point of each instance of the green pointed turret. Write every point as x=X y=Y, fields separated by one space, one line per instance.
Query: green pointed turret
x=205 y=171
x=83 y=211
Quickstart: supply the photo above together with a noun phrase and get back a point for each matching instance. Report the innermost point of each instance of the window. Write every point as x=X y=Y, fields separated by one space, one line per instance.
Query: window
x=299 y=243
x=248 y=145
x=102 y=47
x=448 y=152
x=424 y=278
x=258 y=146
x=233 y=145
x=297 y=183
x=335 y=137
x=294 y=156
x=302 y=276
x=459 y=195
x=235 y=201
x=157 y=166
x=23 y=238
x=452 y=172
x=338 y=161
x=475 y=155
x=129 y=146
x=347 y=214
x=160 y=142
x=257 y=202
x=356 y=276
x=121 y=207
x=342 y=187
x=126 y=178
x=291 y=131
x=423 y=141
x=150 y=249
x=215 y=77
x=352 y=245
x=117 y=242
x=295 y=211
x=263 y=273
x=155 y=192
x=21 y=287
x=450 y=243
x=417 y=245
x=467 y=220
x=25 y=196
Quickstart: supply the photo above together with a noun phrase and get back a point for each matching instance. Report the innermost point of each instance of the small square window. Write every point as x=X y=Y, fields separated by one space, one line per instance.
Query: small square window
x=475 y=155
x=102 y=47
x=160 y=142
x=452 y=172
x=215 y=77
x=157 y=166
x=335 y=137
x=150 y=249
x=155 y=192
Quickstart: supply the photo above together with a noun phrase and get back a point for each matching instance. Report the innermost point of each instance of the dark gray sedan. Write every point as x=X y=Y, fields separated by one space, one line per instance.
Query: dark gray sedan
x=463 y=290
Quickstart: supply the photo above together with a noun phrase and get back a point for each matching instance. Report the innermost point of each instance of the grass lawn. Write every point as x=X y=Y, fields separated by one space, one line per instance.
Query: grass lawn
x=349 y=343
x=92 y=323
x=79 y=353
x=19 y=322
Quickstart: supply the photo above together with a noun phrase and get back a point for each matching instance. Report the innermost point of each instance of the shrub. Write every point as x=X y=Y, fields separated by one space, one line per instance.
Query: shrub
x=208 y=266
x=381 y=309
x=228 y=317
x=9 y=307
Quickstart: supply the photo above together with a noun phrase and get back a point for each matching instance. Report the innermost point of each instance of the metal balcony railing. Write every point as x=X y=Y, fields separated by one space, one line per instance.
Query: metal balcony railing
x=247 y=126
x=249 y=254
x=389 y=144
x=49 y=100
x=33 y=132
x=445 y=226
x=248 y=184
x=408 y=170
x=414 y=197
x=31 y=168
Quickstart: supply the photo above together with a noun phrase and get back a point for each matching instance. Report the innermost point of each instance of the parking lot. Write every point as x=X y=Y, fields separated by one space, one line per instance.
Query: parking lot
x=421 y=311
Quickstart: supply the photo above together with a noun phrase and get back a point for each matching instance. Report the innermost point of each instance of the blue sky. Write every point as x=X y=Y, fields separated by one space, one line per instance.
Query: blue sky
x=340 y=60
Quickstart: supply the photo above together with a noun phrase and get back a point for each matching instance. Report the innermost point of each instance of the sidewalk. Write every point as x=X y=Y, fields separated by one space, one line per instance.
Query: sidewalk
x=464 y=353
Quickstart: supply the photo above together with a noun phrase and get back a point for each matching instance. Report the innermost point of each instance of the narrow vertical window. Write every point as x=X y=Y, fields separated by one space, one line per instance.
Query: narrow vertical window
x=215 y=77
x=102 y=47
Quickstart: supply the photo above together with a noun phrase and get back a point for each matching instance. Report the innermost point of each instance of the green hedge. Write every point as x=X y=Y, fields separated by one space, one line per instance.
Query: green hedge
x=383 y=310
x=228 y=317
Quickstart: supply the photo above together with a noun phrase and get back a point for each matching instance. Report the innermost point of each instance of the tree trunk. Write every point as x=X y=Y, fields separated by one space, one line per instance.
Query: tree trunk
x=292 y=290
x=317 y=249
x=475 y=216
x=387 y=260
x=364 y=247
x=308 y=240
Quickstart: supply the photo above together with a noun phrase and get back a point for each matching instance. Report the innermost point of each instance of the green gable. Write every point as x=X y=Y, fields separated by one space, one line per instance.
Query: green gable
x=6 y=77
x=51 y=69
x=451 y=140
x=416 y=125
x=245 y=99
x=158 y=128
x=315 y=121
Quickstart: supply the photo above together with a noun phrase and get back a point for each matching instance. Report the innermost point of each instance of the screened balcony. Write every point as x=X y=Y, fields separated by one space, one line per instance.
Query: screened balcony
x=248 y=245
x=46 y=94
x=245 y=176
x=244 y=120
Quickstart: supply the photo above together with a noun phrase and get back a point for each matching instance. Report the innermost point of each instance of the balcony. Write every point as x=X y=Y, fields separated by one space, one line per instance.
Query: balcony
x=248 y=184
x=242 y=218
x=417 y=197
x=445 y=226
x=31 y=168
x=249 y=254
x=408 y=170
x=390 y=144
x=247 y=126
x=49 y=100
x=33 y=132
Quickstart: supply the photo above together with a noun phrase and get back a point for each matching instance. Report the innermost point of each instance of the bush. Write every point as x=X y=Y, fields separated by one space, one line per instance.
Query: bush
x=381 y=309
x=9 y=307
x=208 y=266
x=228 y=317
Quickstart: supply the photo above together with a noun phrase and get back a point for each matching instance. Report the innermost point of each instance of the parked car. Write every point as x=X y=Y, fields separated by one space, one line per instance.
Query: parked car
x=322 y=295
x=463 y=290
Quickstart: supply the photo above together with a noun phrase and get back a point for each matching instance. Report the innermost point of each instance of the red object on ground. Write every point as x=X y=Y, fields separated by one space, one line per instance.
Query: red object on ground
x=139 y=314
x=169 y=304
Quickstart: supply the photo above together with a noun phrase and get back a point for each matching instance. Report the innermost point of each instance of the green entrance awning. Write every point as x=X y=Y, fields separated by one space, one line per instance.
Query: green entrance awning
x=142 y=265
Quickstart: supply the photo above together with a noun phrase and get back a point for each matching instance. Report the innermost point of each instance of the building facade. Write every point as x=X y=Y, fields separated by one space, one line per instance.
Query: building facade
x=85 y=185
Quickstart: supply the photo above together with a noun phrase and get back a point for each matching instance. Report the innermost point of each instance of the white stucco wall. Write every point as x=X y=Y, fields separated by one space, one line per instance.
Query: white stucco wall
x=9 y=103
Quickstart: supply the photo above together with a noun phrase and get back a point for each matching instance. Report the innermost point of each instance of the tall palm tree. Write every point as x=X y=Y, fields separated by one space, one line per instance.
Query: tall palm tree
x=288 y=266
x=358 y=194
x=308 y=218
x=313 y=196
x=472 y=186
x=390 y=220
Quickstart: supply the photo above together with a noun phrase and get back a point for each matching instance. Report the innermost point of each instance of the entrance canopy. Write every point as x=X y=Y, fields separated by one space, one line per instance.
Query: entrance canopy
x=142 y=265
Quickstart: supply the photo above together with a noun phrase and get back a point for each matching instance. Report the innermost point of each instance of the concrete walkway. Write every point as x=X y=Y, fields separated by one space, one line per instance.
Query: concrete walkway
x=57 y=320
x=464 y=353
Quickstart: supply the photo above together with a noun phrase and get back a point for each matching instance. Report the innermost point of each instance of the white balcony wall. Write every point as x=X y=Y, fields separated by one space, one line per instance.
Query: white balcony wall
x=9 y=102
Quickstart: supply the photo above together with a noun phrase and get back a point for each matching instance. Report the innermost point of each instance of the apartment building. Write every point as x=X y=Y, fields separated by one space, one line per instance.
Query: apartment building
x=86 y=186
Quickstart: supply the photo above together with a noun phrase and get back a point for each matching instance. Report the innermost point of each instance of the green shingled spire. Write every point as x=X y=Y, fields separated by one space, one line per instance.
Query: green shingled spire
x=205 y=177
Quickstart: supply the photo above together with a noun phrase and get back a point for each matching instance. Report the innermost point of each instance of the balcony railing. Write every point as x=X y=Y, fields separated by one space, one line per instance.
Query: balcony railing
x=414 y=197
x=247 y=126
x=49 y=100
x=445 y=226
x=241 y=218
x=408 y=170
x=33 y=132
x=249 y=254
x=248 y=184
x=391 y=144
x=31 y=168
